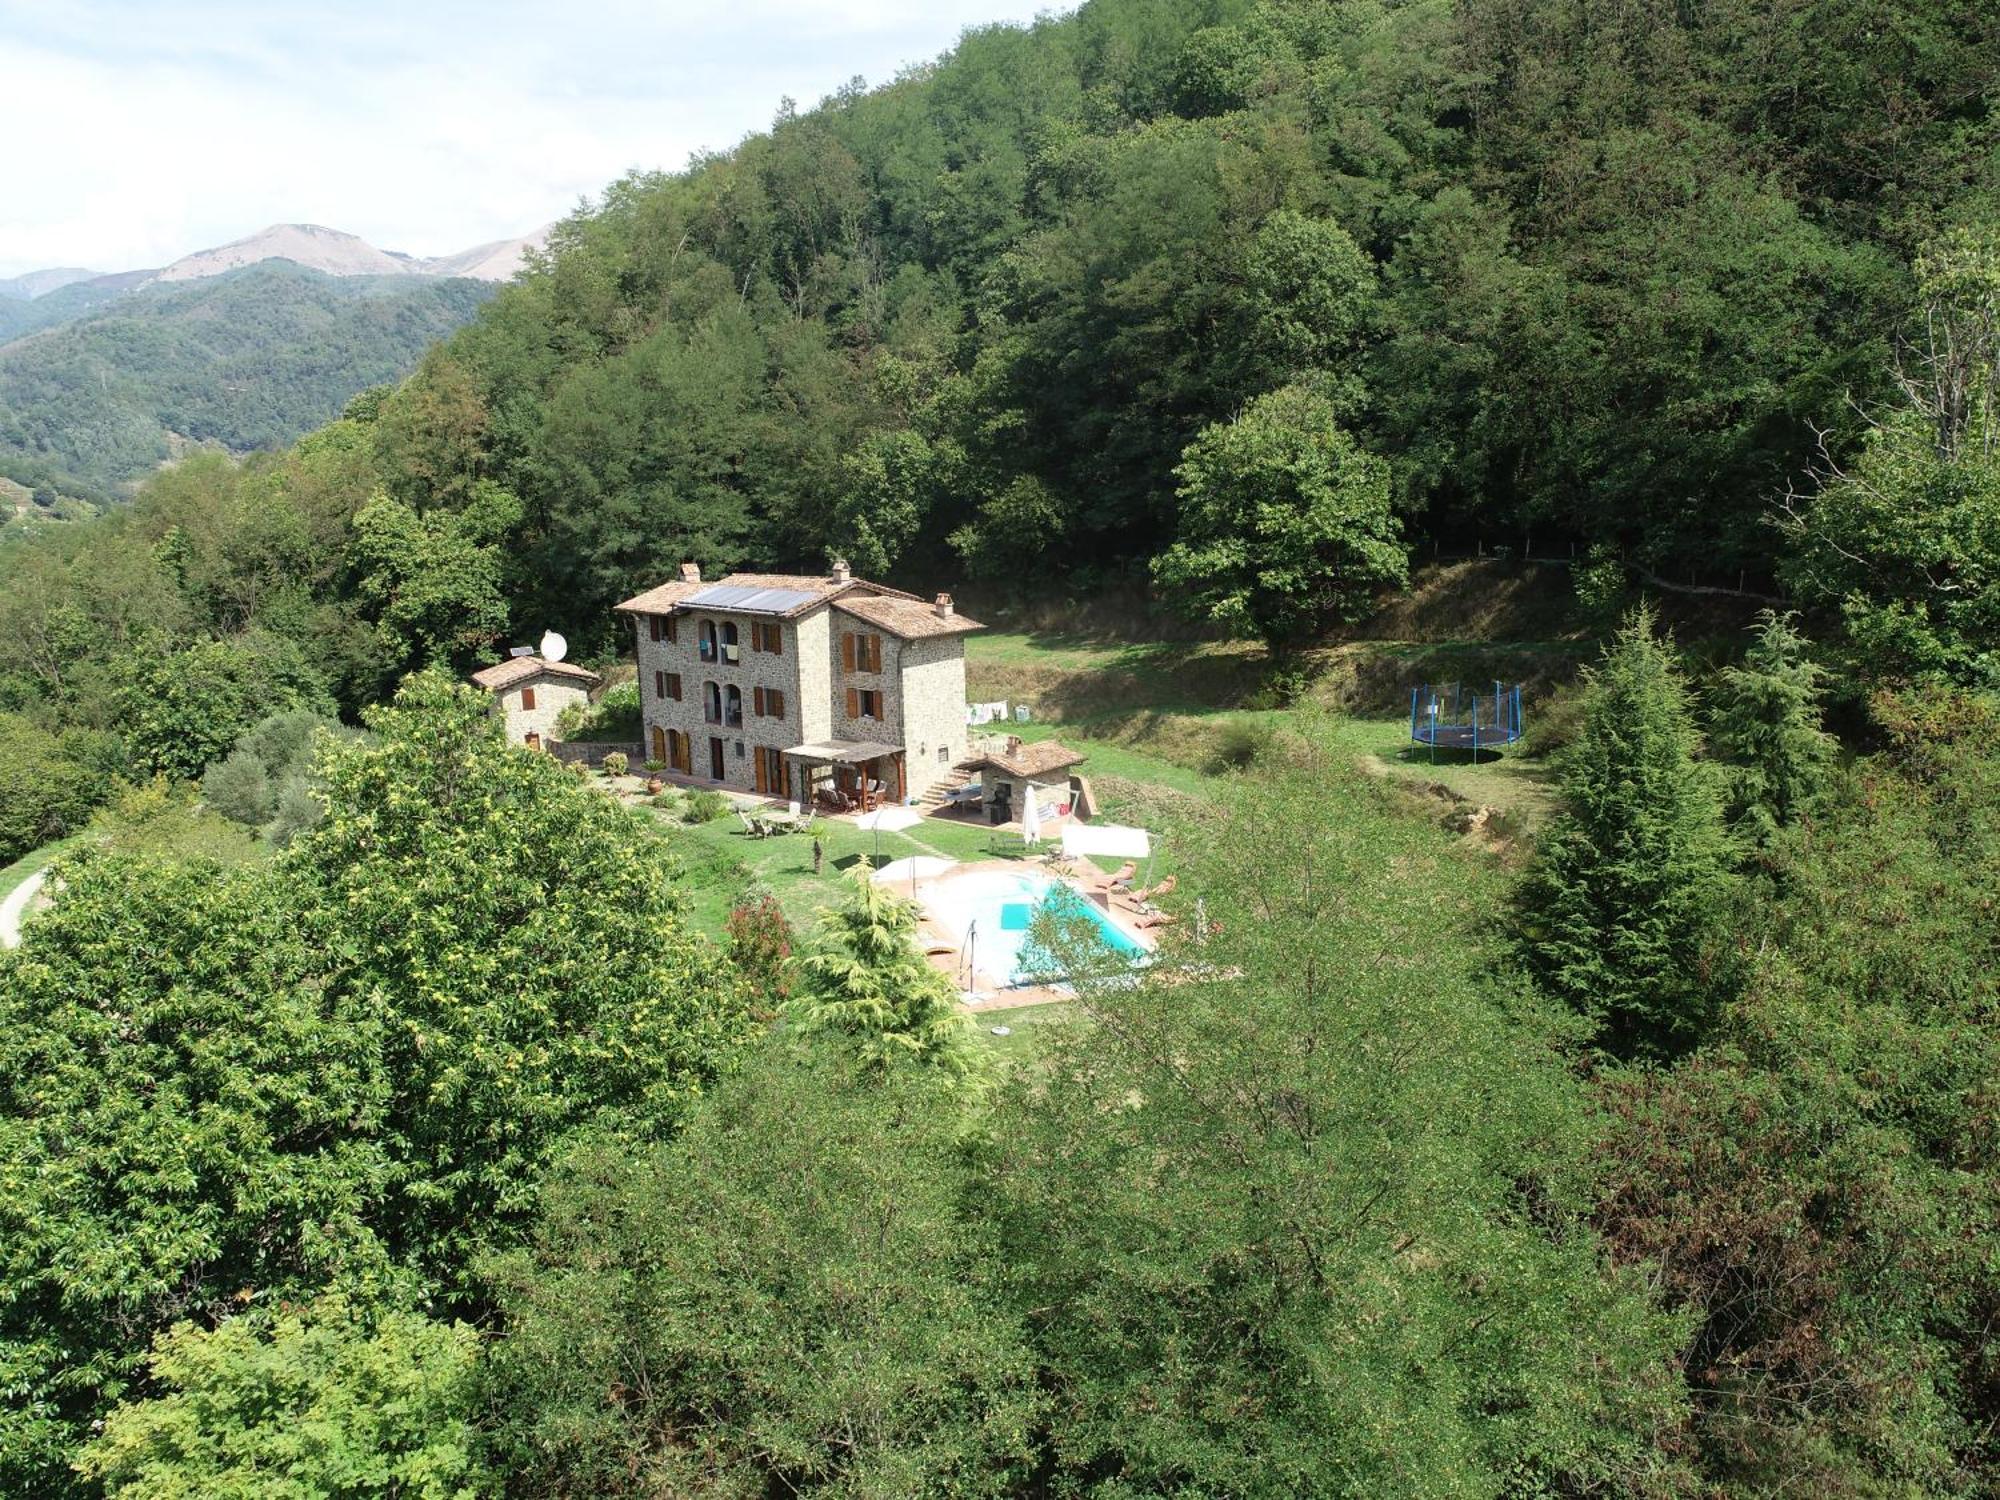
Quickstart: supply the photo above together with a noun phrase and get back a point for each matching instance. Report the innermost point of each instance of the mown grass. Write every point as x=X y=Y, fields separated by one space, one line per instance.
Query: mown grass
x=21 y=869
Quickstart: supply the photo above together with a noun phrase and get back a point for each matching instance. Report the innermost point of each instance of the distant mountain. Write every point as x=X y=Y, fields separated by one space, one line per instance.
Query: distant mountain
x=35 y=283
x=337 y=253
x=240 y=358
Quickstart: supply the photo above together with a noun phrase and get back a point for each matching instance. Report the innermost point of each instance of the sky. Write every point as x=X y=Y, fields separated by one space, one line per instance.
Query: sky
x=132 y=132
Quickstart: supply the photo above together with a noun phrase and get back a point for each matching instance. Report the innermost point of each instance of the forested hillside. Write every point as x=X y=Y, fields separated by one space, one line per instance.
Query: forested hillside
x=247 y=360
x=1579 y=275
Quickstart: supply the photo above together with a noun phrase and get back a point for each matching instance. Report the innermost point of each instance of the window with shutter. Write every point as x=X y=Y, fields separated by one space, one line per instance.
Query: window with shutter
x=775 y=701
x=757 y=702
x=854 y=703
x=673 y=629
x=653 y=627
x=659 y=684
x=874 y=653
x=847 y=652
x=527 y=698
x=774 y=636
x=673 y=687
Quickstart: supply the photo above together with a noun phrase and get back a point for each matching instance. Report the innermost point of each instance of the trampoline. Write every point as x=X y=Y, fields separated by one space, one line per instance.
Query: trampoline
x=1452 y=718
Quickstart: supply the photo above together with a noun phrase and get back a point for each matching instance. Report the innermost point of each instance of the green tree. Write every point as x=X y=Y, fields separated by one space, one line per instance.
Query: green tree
x=180 y=710
x=519 y=941
x=1617 y=915
x=432 y=582
x=792 y=1297
x=332 y=1400
x=1820 y=1188
x=1765 y=723
x=864 y=981
x=267 y=780
x=1285 y=523
x=1300 y=1208
x=189 y=1119
x=47 y=787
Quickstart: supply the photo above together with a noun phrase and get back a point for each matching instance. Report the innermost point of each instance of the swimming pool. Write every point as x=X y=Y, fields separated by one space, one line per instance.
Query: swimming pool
x=993 y=910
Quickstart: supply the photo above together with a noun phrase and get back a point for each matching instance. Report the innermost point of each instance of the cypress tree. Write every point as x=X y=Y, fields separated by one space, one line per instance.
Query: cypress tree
x=1766 y=725
x=1630 y=879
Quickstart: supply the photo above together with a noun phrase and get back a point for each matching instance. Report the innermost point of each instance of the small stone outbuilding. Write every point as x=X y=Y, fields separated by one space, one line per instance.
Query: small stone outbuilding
x=1008 y=772
x=530 y=692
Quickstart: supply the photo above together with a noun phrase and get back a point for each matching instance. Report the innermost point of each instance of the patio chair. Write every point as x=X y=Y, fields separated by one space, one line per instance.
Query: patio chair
x=1121 y=878
x=1143 y=899
x=749 y=828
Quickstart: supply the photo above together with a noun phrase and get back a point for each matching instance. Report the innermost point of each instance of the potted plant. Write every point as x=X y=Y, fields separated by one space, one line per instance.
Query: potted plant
x=655 y=783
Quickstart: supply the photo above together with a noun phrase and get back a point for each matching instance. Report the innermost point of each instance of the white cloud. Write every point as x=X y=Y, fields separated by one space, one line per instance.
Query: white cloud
x=141 y=131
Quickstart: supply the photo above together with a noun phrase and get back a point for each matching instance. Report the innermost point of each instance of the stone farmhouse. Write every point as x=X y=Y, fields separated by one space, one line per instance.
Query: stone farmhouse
x=814 y=687
x=530 y=692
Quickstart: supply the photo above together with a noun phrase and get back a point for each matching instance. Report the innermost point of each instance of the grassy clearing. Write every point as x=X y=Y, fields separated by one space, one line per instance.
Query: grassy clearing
x=1022 y=1023
x=39 y=859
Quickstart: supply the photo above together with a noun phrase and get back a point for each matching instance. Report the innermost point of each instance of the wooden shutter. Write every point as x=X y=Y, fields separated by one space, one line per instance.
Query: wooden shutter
x=659 y=684
x=874 y=644
x=757 y=702
x=527 y=698
x=847 y=650
x=774 y=638
x=653 y=626
x=673 y=629
x=853 y=703
x=674 y=686
x=776 y=699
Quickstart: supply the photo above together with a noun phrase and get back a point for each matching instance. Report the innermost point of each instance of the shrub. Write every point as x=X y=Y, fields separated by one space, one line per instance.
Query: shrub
x=615 y=763
x=656 y=766
x=760 y=942
x=706 y=806
x=1240 y=746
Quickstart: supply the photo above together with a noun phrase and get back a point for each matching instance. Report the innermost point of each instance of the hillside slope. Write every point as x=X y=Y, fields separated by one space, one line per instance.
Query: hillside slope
x=249 y=359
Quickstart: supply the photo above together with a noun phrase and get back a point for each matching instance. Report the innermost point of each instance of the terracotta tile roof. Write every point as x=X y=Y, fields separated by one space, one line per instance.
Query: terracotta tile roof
x=1038 y=759
x=520 y=668
x=657 y=601
x=912 y=619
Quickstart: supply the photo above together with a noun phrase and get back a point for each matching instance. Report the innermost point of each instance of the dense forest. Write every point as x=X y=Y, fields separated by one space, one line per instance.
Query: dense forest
x=378 y=1119
x=251 y=359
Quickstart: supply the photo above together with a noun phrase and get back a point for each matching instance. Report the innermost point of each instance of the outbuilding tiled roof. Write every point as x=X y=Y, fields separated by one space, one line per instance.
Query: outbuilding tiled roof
x=518 y=669
x=912 y=619
x=1039 y=759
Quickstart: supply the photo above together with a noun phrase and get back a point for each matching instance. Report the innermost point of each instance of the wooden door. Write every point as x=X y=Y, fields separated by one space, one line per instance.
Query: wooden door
x=716 y=765
x=659 y=744
x=680 y=751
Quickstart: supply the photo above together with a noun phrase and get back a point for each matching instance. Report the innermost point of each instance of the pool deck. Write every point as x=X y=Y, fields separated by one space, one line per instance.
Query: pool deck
x=990 y=991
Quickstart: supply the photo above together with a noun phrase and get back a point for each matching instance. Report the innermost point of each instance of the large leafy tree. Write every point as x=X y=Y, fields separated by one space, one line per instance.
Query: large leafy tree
x=190 y=1122
x=1618 y=913
x=327 y=1400
x=792 y=1297
x=1298 y=1209
x=1285 y=523
x=519 y=940
x=179 y=710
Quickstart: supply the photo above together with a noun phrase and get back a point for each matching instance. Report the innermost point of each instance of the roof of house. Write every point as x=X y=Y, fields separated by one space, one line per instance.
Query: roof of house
x=518 y=669
x=789 y=595
x=901 y=615
x=1038 y=759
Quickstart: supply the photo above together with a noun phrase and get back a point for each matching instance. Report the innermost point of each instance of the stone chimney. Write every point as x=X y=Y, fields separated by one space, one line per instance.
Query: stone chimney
x=841 y=572
x=943 y=606
x=690 y=572
x=1013 y=745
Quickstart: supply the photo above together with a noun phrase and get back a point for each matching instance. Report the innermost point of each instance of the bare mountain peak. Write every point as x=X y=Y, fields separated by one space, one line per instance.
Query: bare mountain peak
x=338 y=253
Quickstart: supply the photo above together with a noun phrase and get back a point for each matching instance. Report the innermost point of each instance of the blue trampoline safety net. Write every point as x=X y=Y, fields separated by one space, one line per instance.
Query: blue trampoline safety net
x=1458 y=718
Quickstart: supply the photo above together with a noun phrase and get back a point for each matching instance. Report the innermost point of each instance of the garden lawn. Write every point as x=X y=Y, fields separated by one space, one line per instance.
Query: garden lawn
x=37 y=859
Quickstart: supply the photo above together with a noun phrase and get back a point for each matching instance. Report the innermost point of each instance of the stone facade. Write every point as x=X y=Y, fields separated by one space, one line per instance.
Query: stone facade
x=921 y=683
x=551 y=694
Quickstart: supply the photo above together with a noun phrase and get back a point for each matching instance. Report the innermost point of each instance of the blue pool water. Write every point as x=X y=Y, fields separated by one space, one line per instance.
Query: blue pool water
x=994 y=910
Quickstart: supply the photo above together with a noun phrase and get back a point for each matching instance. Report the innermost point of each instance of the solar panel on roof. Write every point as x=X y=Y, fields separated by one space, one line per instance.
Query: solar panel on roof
x=749 y=599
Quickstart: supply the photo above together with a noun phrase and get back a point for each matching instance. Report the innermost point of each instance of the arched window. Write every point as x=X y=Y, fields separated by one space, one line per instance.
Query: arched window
x=732 y=706
x=711 y=702
x=707 y=639
x=729 y=652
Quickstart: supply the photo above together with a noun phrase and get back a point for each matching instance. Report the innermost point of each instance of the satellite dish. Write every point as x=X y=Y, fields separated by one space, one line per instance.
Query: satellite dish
x=554 y=647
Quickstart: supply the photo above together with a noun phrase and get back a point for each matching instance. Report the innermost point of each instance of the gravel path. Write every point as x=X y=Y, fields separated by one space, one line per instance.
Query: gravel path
x=16 y=906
